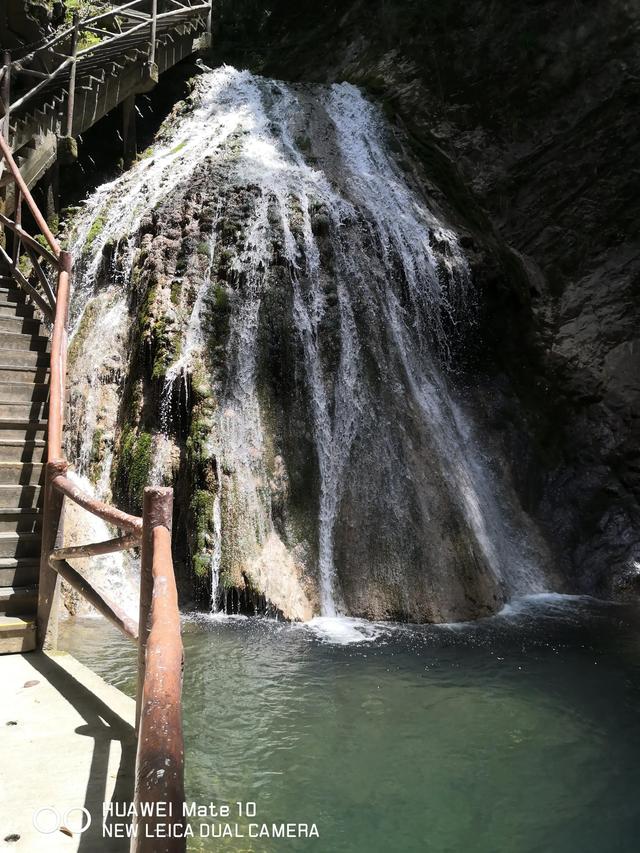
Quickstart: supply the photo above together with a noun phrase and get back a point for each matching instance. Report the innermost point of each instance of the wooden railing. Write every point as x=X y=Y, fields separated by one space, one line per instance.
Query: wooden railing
x=160 y=753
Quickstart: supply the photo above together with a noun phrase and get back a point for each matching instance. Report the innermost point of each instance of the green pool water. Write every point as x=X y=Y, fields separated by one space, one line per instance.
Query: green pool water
x=518 y=734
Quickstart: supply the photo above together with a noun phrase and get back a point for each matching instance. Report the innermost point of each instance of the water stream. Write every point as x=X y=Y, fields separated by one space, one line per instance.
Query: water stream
x=378 y=291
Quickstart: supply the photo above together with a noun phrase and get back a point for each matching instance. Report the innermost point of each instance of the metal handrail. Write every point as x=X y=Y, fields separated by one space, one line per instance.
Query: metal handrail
x=71 y=58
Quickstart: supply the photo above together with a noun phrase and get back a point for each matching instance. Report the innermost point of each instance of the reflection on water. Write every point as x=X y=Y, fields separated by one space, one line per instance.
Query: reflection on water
x=517 y=734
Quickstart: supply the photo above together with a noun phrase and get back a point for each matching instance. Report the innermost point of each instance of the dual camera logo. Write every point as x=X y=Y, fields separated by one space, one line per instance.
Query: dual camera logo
x=73 y=822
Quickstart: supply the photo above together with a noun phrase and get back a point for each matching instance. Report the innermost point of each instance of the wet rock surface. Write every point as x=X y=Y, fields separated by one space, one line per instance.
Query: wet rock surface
x=521 y=122
x=292 y=313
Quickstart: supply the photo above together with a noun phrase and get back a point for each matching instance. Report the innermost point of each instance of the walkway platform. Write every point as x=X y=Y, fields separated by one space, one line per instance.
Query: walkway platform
x=67 y=741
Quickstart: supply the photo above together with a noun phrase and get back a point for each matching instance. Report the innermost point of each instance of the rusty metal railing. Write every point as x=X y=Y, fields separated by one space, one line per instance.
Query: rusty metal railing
x=160 y=751
x=137 y=24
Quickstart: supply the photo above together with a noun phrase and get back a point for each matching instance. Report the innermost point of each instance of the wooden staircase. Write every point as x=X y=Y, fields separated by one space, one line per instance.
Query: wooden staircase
x=24 y=369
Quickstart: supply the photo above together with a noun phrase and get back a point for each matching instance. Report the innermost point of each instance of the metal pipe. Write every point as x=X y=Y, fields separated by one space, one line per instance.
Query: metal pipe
x=52 y=531
x=160 y=756
x=157 y=509
x=28 y=240
x=18 y=215
x=72 y=79
x=96 y=549
x=22 y=282
x=58 y=377
x=154 y=26
x=107 y=513
x=5 y=94
x=109 y=610
x=23 y=100
x=24 y=189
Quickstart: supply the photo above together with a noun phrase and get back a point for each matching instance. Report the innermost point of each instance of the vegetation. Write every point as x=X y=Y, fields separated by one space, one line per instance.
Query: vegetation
x=133 y=467
x=95 y=230
x=84 y=8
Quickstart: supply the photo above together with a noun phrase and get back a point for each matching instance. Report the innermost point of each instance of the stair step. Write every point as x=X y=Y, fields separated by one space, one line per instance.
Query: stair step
x=17 y=634
x=23 y=391
x=11 y=293
x=20 y=545
x=22 y=325
x=27 y=473
x=13 y=309
x=23 y=357
x=17 y=341
x=15 y=450
x=12 y=495
x=20 y=520
x=23 y=430
x=18 y=600
x=19 y=572
x=16 y=373
x=25 y=412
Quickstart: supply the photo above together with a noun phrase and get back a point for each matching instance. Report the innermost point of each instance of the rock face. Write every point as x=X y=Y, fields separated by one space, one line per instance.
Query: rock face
x=389 y=369
x=26 y=22
x=285 y=311
x=523 y=126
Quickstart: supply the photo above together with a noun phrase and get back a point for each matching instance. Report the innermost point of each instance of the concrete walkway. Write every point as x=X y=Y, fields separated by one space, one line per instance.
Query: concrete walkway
x=66 y=742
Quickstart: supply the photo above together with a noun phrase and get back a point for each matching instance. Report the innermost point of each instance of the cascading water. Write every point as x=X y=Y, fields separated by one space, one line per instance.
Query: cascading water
x=367 y=291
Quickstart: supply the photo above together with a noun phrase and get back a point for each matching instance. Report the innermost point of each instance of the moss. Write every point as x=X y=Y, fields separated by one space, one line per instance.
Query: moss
x=219 y=305
x=176 y=287
x=158 y=334
x=202 y=476
x=202 y=514
x=96 y=229
x=178 y=148
x=88 y=40
x=96 y=455
x=133 y=467
x=203 y=248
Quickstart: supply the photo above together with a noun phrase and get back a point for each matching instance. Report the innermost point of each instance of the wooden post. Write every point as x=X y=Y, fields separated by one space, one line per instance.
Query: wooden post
x=129 y=130
x=72 y=80
x=157 y=511
x=48 y=584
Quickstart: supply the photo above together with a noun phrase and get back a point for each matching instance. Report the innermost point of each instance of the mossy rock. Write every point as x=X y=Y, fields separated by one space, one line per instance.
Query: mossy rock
x=131 y=473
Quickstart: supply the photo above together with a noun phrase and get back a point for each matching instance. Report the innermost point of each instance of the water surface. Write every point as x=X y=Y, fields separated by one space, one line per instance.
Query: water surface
x=518 y=734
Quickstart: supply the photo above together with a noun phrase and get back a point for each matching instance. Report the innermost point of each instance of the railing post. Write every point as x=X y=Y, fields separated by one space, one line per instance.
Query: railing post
x=72 y=79
x=5 y=94
x=17 y=218
x=157 y=511
x=52 y=533
x=154 y=28
x=160 y=756
x=58 y=375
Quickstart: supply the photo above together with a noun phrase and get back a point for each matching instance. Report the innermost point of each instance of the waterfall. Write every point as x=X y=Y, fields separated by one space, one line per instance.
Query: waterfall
x=333 y=237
